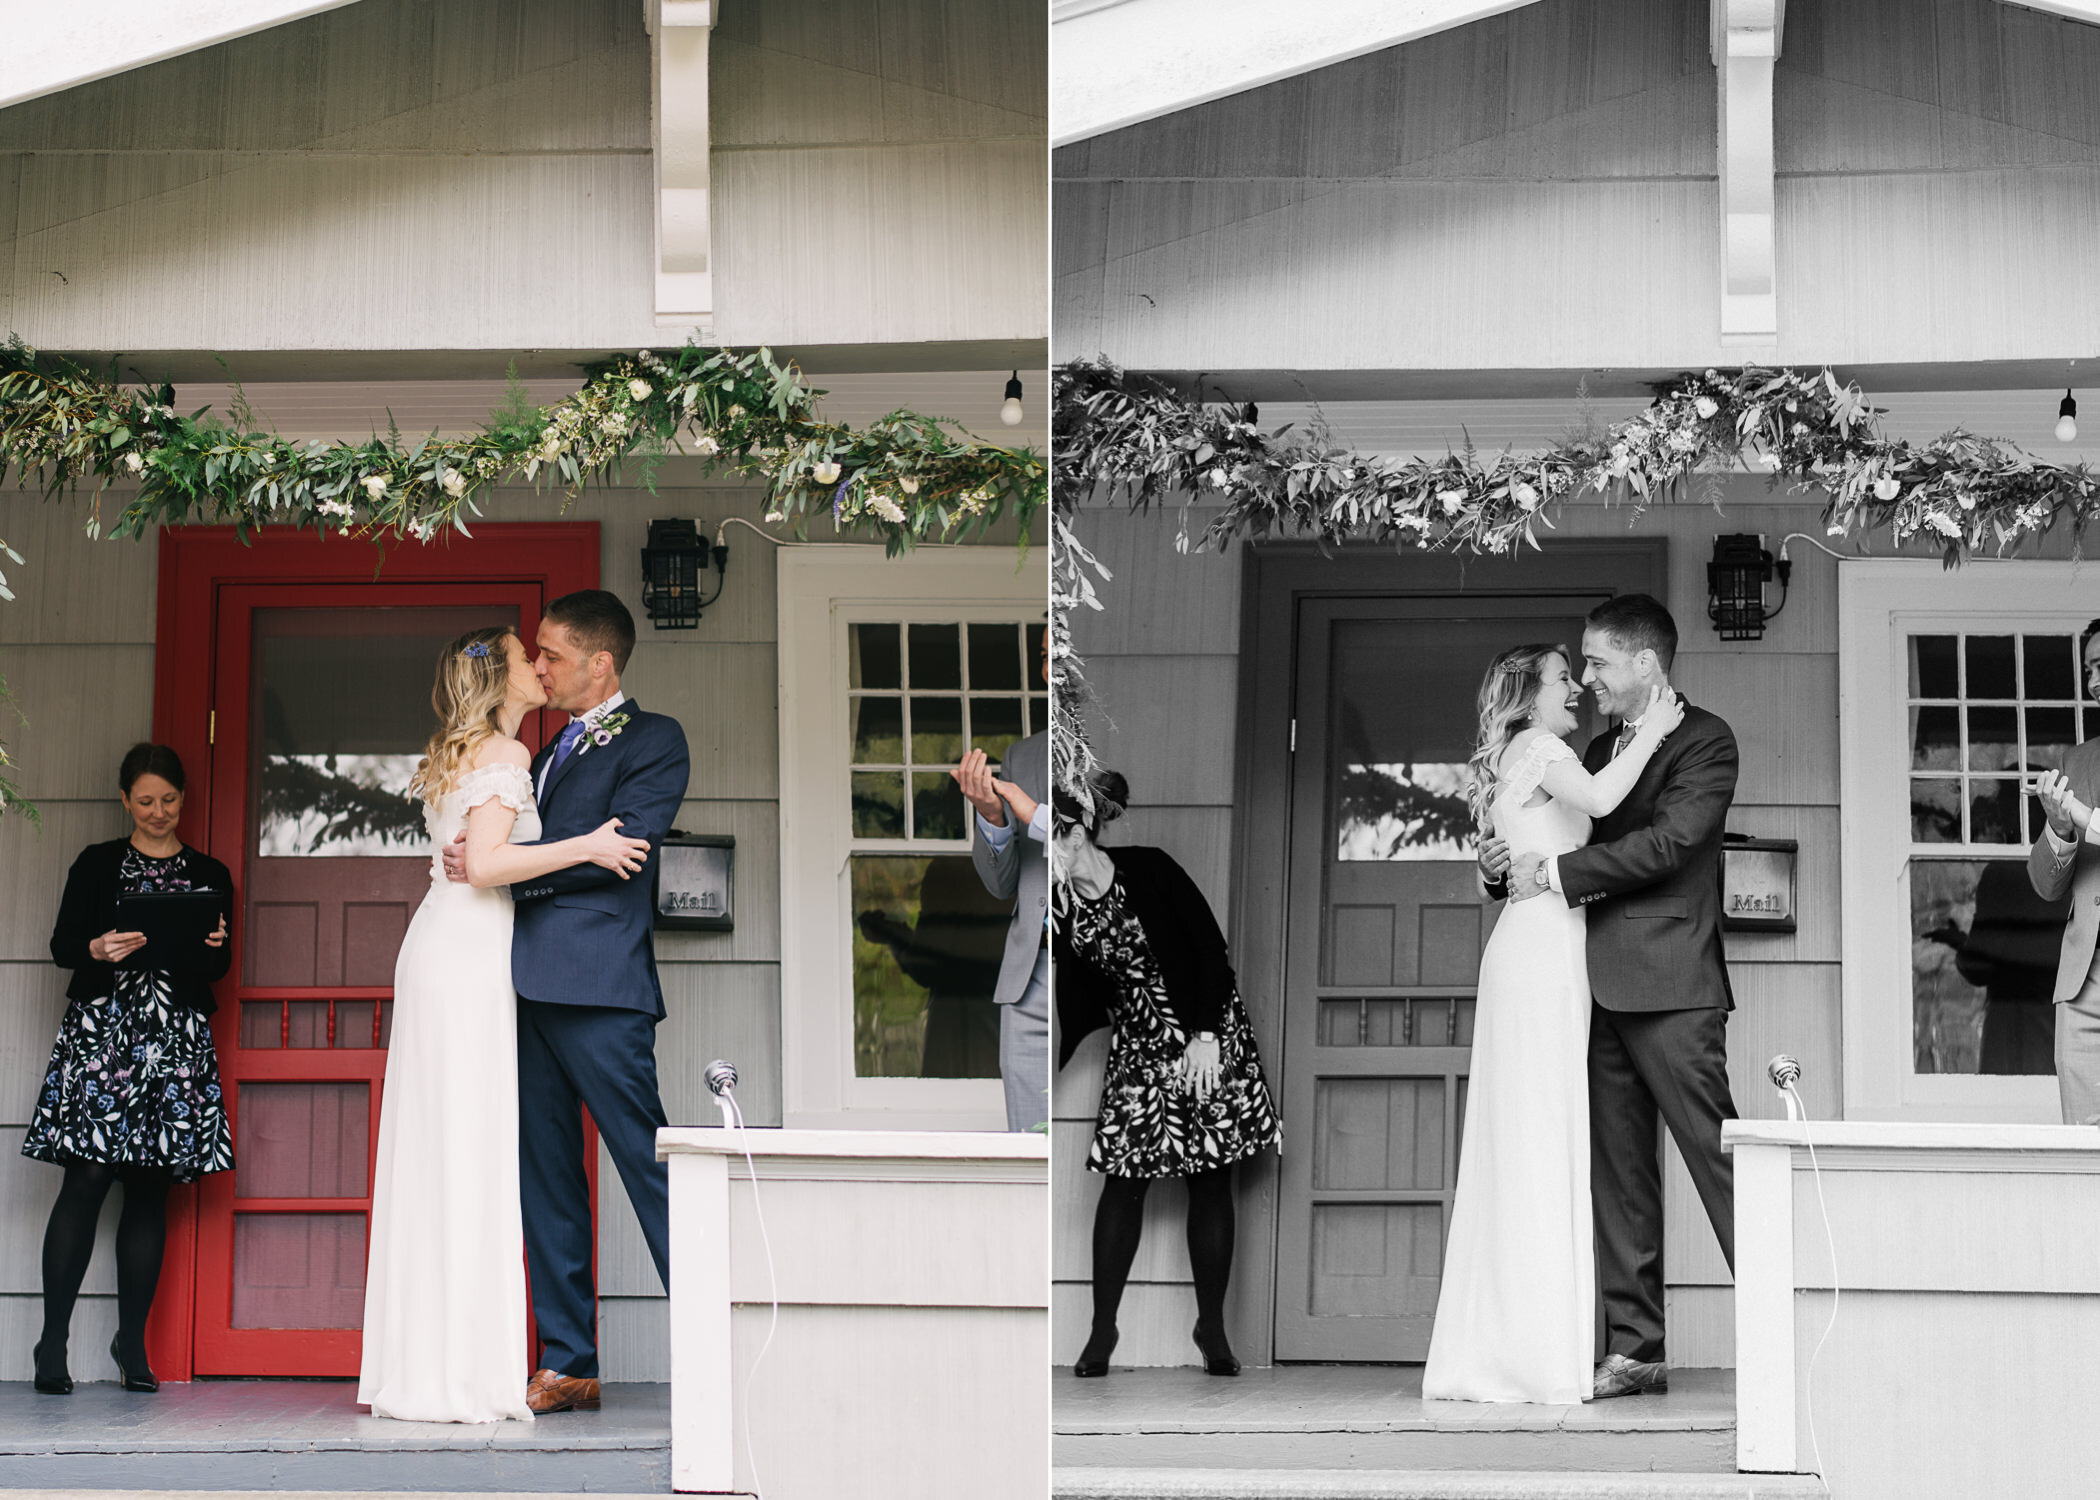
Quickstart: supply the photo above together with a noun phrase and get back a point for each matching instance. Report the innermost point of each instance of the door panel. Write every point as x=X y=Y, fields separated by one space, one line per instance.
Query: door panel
x=1385 y=928
x=326 y=694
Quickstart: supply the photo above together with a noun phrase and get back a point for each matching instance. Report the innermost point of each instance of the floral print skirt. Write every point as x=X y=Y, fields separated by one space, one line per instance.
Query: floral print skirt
x=133 y=1081
x=1151 y=1124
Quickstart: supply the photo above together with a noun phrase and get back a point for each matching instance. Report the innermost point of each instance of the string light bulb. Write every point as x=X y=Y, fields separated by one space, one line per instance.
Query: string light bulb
x=2067 y=419
x=1010 y=408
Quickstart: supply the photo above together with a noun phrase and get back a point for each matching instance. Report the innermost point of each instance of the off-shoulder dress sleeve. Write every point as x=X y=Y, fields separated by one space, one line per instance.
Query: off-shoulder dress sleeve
x=507 y=784
x=1522 y=779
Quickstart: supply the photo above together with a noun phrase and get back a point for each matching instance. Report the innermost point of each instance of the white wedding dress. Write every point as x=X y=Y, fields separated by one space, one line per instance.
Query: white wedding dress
x=444 y=1336
x=1516 y=1317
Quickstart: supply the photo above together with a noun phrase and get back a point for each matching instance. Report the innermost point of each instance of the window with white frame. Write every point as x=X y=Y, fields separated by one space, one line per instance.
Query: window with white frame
x=891 y=669
x=928 y=936
x=1956 y=689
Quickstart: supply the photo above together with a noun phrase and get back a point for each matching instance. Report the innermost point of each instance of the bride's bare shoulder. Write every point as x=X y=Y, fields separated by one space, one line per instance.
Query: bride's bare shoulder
x=501 y=750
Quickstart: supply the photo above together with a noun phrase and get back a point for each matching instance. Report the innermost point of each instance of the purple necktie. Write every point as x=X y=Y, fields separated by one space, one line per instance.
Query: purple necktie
x=565 y=744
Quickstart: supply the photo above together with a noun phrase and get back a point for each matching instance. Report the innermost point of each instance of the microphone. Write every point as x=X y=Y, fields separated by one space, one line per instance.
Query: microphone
x=1785 y=1072
x=721 y=1082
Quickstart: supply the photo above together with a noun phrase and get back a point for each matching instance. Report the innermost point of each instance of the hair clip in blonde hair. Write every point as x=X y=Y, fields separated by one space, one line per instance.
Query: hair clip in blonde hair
x=478 y=650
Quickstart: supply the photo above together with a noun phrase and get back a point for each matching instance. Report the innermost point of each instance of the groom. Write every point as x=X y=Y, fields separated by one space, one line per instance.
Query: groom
x=584 y=967
x=1650 y=879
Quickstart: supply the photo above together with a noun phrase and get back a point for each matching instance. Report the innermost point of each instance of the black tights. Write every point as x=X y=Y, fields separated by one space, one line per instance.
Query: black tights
x=142 y=1233
x=1119 y=1220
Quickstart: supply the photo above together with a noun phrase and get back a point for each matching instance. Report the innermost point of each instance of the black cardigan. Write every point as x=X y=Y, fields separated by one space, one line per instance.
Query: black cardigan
x=89 y=908
x=1186 y=943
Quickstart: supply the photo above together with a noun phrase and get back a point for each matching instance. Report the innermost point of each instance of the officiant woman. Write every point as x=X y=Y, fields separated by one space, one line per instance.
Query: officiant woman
x=132 y=1094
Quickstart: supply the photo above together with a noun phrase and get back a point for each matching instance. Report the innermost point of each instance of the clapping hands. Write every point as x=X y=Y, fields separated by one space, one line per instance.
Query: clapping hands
x=2068 y=815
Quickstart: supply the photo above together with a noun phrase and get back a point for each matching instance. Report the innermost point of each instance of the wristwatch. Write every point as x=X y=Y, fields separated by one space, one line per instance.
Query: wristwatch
x=1204 y=1036
x=1541 y=879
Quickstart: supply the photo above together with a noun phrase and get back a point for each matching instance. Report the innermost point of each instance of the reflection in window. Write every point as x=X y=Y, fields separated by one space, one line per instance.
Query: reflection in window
x=927 y=936
x=1395 y=812
x=1983 y=968
x=341 y=713
x=926 y=948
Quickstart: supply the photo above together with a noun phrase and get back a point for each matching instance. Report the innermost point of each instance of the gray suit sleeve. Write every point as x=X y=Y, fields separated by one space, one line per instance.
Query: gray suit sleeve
x=1000 y=869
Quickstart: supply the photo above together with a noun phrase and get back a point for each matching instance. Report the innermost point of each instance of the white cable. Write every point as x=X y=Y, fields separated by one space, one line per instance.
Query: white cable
x=1802 y=536
x=772 y=1288
x=1815 y=1447
x=778 y=541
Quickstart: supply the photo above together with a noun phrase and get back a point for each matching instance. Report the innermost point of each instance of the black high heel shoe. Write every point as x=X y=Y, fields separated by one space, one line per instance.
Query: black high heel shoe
x=51 y=1376
x=1093 y=1360
x=1218 y=1358
x=130 y=1379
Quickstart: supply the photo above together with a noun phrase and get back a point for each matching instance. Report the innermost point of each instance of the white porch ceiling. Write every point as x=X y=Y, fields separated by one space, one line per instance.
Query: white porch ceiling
x=53 y=47
x=1113 y=65
x=1430 y=429
x=355 y=409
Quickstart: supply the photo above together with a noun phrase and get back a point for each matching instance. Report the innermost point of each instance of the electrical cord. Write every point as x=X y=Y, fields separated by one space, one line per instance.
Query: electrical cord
x=1802 y=536
x=1830 y=1239
x=772 y=1288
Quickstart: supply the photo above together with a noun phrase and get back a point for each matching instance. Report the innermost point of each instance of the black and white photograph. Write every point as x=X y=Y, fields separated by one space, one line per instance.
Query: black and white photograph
x=1575 y=684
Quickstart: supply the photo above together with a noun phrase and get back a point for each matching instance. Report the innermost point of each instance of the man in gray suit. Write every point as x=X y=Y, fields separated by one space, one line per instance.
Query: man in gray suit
x=2066 y=858
x=1011 y=850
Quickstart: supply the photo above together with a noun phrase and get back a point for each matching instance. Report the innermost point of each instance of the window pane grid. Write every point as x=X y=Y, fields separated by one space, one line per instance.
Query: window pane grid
x=926 y=707
x=1985 y=712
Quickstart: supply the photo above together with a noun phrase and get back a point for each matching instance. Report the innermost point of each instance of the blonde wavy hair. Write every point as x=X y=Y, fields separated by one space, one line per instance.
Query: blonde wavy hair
x=468 y=696
x=1507 y=696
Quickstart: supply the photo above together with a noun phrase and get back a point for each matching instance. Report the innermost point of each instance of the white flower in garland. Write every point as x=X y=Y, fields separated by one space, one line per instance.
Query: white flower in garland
x=1525 y=495
x=1706 y=406
x=639 y=389
x=706 y=446
x=375 y=485
x=909 y=484
x=1454 y=501
x=421 y=530
x=887 y=508
x=455 y=483
x=337 y=507
x=1944 y=525
x=133 y=462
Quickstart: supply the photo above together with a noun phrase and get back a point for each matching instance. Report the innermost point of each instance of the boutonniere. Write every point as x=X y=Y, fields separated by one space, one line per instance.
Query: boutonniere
x=602 y=732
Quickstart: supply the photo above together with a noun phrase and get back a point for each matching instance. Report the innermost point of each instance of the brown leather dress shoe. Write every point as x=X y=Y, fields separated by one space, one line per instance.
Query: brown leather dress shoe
x=1617 y=1375
x=551 y=1391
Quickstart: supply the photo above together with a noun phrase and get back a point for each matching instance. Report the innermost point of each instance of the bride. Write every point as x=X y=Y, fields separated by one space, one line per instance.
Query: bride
x=444 y=1330
x=1516 y=1316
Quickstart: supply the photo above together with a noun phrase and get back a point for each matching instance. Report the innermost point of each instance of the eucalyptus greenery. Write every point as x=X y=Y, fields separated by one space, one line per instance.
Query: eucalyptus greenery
x=905 y=478
x=1131 y=438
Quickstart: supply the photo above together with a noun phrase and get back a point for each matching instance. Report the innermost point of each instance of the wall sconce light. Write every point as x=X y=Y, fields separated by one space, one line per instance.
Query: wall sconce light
x=672 y=563
x=1735 y=586
x=2067 y=419
x=1010 y=408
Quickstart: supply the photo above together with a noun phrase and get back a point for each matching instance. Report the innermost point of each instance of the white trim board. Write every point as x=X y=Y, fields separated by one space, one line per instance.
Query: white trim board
x=821 y=588
x=1879 y=600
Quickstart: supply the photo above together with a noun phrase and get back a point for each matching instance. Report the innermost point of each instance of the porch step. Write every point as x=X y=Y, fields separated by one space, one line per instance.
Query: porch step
x=1420 y=1484
x=311 y=1436
x=1369 y=1418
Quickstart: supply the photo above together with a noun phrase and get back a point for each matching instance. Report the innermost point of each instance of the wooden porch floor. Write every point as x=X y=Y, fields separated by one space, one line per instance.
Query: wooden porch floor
x=310 y=1435
x=1373 y=1416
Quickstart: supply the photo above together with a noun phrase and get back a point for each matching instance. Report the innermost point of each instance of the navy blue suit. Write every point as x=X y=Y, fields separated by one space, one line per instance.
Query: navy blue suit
x=584 y=966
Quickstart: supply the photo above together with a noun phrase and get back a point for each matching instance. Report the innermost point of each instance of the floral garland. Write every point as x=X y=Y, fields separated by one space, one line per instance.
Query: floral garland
x=1133 y=438
x=902 y=478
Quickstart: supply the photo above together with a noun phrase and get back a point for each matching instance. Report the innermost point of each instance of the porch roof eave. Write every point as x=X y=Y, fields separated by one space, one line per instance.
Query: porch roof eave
x=52 y=48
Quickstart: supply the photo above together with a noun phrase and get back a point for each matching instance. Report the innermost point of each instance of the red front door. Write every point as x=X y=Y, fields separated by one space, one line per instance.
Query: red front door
x=314 y=686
